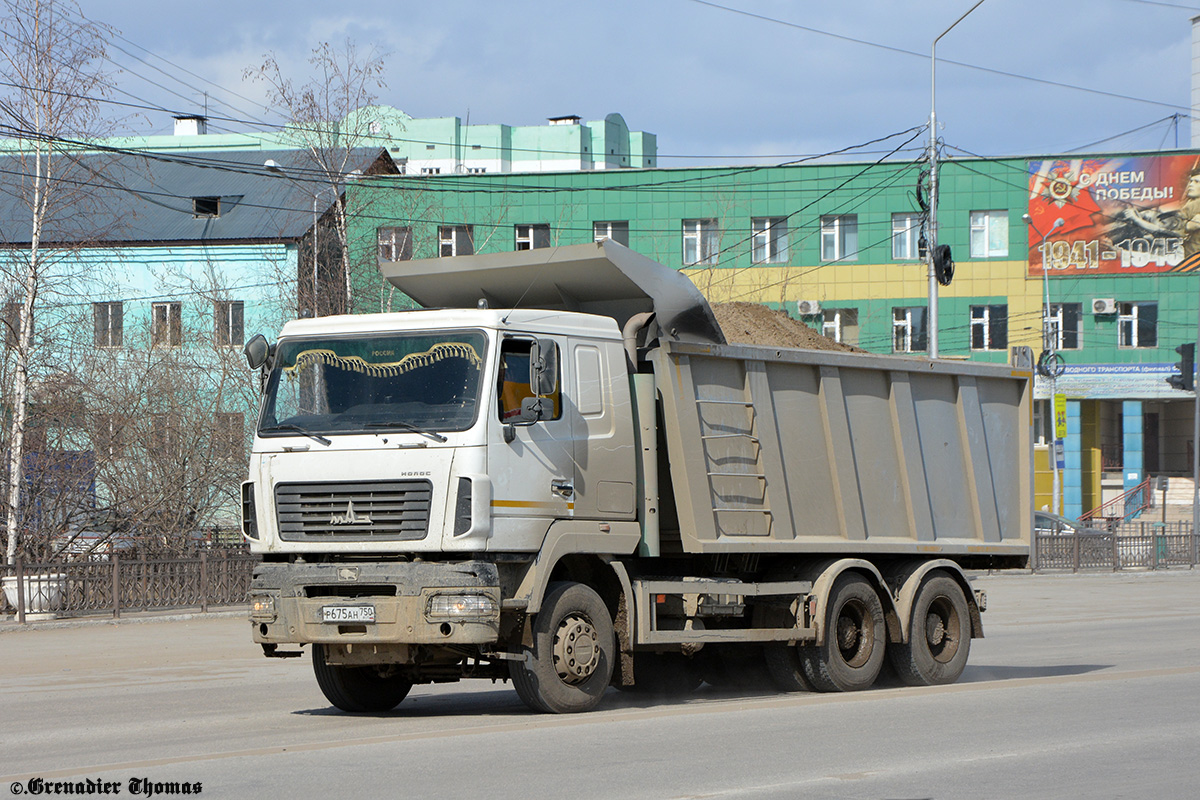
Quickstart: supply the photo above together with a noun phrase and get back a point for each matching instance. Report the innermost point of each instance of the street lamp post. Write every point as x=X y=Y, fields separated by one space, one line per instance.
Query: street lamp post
x=933 y=186
x=1049 y=345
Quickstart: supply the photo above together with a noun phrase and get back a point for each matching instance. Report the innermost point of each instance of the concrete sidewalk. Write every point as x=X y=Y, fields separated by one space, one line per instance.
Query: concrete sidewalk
x=9 y=623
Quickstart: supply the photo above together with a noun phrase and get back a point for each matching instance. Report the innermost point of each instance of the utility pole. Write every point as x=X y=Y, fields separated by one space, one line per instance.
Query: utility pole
x=1048 y=364
x=933 y=186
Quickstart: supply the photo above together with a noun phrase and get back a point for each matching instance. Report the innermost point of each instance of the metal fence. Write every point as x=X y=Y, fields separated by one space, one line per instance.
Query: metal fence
x=119 y=584
x=1138 y=545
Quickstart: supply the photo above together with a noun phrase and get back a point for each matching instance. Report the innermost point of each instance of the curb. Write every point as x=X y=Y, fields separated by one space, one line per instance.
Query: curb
x=10 y=624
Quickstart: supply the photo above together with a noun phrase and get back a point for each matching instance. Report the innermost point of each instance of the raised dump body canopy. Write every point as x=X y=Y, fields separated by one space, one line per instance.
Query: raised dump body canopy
x=602 y=278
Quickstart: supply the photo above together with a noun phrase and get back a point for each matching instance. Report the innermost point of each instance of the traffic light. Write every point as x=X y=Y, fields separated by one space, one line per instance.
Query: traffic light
x=1186 y=379
x=943 y=264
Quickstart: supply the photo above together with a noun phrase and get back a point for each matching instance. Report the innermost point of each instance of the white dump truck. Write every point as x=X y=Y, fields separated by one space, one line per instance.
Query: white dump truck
x=560 y=473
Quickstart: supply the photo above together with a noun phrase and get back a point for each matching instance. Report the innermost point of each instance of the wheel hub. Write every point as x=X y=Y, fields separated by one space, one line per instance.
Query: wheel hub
x=935 y=630
x=847 y=634
x=576 y=649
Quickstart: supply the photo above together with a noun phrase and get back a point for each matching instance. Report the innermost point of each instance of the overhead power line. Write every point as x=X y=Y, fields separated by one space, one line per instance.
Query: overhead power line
x=925 y=56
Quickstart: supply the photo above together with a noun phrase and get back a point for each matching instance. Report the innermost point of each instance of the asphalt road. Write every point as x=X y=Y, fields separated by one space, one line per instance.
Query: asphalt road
x=1086 y=686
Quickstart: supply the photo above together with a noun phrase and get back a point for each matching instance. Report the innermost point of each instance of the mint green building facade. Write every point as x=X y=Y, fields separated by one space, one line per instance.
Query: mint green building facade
x=443 y=145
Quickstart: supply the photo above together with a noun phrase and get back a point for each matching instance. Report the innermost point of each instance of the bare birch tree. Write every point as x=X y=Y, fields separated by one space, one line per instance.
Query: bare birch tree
x=328 y=121
x=51 y=59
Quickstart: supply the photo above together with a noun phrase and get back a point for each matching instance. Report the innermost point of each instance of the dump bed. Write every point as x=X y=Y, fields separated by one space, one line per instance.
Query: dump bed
x=812 y=451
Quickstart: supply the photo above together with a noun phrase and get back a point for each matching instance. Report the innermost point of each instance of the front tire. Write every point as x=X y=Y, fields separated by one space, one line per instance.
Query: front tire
x=939 y=635
x=571 y=662
x=855 y=639
x=358 y=689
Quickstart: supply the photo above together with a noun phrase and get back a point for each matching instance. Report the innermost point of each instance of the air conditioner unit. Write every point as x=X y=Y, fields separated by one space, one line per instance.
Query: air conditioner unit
x=808 y=307
x=1104 y=305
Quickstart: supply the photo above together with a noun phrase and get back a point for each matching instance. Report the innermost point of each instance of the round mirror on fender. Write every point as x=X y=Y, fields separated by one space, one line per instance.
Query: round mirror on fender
x=257 y=350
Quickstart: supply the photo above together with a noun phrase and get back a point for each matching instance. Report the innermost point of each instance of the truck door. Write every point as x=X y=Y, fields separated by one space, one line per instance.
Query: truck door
x=602 y=423
x=530 y=465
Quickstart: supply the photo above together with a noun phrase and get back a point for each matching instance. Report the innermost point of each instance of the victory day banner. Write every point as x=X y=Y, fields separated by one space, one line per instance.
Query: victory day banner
x=1120 y=216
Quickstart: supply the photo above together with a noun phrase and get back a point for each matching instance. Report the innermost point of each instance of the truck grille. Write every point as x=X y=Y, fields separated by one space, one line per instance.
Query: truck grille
x=353 y=512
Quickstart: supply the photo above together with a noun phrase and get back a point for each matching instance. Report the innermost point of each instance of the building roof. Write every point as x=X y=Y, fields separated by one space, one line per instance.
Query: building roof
x=122 y=197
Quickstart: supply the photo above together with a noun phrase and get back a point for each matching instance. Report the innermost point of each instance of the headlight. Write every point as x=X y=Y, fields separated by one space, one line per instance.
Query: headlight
x=262 y=607
x=461 y=606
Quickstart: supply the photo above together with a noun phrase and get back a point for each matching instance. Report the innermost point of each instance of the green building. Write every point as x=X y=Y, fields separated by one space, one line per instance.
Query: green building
x=1109 y=289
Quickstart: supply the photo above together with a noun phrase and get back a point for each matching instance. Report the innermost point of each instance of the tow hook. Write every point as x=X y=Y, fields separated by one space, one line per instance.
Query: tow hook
x=271 y=650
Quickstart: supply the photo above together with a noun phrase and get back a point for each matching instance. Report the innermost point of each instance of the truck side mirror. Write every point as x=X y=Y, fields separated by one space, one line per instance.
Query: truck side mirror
x=257 y=351
x=533 y=409
x=543 y=367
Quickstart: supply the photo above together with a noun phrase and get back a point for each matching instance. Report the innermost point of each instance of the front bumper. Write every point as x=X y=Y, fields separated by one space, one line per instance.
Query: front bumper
x=287 y=601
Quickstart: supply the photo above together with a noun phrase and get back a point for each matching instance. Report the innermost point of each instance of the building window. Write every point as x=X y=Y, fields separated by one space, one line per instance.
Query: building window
x=770 y=240
x=1062 y=326
x=618 y=231
x=1137 y=324
x=206 y=206
x=989 y=234
x=455 y=240
x=839 y=237
x=840 y=324
x=907 y=244
x=12 y=323
x=431 y=170
x=989 y=327
x=109 y=322
x=166 y=328
x=532 y=237
x=164 y=436
x=395 y=244
x=701 y=242
x=910 y=330
x=230 y=322
x=476 y=170
x=229 y=436
x=108 y=436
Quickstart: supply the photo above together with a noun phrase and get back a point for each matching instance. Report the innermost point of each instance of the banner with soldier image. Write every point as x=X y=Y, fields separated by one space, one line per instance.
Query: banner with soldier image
x=1120 y=216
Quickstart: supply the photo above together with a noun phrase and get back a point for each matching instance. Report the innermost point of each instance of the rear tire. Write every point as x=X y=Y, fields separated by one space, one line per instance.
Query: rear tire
x=571 y=662
x=855 y=639
x=787 y=673
x=939 y=634
x=358 y=689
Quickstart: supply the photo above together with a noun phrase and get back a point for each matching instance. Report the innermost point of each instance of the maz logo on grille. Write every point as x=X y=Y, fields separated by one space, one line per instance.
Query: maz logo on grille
x=351 y=517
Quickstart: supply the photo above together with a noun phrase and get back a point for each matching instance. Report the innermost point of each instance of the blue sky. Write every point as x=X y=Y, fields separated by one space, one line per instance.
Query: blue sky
x=711 y=83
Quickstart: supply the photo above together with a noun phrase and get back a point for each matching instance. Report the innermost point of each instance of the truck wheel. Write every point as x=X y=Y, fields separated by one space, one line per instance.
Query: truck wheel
x=358 y=689
x=855 y=638
x=571 y=662
x=783 y=663
x=939 y=634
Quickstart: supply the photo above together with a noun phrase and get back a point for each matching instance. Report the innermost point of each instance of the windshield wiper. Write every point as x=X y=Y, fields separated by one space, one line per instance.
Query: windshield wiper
x=408 y=426
x=290 y=427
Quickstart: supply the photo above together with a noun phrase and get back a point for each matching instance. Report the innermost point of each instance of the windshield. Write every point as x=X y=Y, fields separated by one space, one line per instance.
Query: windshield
x=404 y=382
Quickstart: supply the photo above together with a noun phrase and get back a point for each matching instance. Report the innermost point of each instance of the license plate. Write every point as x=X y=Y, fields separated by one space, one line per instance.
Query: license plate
x=348 y=613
